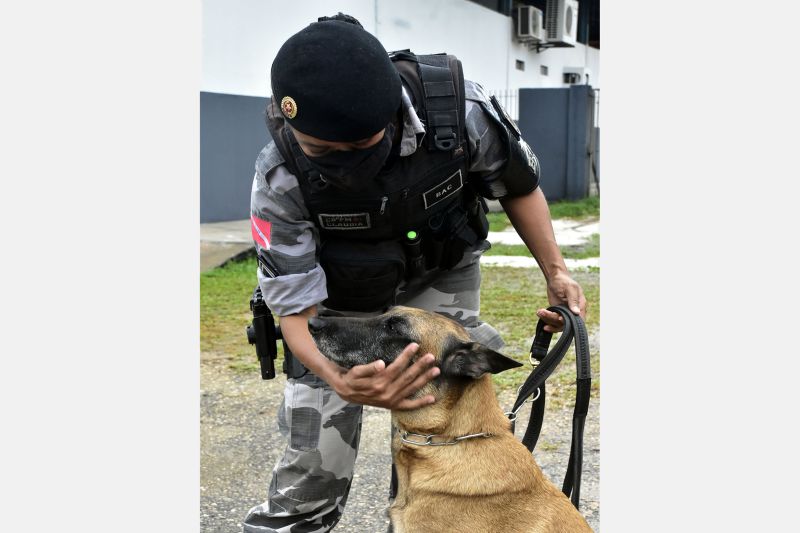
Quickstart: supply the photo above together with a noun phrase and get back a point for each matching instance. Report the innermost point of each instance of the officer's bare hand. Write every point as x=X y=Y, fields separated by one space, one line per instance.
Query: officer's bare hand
x=389 y=386
x=562 y=290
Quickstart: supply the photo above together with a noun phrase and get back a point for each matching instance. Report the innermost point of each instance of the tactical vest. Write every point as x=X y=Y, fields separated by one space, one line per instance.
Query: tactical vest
x=415 y=218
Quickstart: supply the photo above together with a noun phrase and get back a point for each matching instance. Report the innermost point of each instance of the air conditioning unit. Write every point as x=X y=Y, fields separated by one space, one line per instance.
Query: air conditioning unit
x=561 y=21
x=577 y=76
x=530 y=24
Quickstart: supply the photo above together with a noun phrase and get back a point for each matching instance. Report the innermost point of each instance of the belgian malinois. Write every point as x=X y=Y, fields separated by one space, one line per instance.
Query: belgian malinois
x=479 y=477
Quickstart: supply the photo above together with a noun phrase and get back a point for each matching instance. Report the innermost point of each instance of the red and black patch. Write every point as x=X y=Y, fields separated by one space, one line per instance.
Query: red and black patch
x=261 y=230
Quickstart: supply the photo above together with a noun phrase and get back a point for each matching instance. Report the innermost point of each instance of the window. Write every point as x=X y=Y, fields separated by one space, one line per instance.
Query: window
x=520 y=65
x=501 y=6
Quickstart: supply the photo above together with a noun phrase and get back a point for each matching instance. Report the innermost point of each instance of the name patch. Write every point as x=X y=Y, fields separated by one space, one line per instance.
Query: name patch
x=345 y=221
x=444 y=190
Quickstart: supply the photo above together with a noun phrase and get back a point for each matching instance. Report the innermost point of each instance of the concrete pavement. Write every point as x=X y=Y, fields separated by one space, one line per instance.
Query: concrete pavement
x=221 y=241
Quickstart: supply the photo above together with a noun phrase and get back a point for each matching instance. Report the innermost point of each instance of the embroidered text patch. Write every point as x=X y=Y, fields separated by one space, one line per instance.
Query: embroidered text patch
x=345 y=221
x=445 y=189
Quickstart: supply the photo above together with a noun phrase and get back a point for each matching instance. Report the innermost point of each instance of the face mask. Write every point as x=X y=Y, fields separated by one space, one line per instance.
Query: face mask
x=351 y=170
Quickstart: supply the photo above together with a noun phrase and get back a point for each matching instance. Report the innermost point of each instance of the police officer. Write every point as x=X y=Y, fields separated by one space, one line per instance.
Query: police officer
x=370 y=196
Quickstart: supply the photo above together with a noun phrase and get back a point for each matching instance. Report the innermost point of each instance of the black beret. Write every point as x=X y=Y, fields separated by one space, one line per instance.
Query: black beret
x=334 y=80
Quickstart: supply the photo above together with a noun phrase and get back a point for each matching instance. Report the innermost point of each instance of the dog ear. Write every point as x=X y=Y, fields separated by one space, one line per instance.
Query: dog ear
x=473 y=359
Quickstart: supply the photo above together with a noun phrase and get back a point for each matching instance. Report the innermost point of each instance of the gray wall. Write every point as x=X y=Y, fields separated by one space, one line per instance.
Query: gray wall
x=232 y=132
x=559 y=125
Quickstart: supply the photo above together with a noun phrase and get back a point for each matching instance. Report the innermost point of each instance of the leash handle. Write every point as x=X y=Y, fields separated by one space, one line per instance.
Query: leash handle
x=574 y=330
x=548 y=361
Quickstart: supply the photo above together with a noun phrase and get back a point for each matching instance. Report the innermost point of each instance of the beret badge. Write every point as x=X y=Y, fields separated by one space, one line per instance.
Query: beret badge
x=289 y=107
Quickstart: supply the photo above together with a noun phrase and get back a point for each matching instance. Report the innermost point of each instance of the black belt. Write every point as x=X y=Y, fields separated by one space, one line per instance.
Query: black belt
x=574 y=328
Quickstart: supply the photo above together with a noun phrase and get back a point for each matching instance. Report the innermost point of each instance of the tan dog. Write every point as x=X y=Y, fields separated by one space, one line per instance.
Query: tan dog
x=487 y=482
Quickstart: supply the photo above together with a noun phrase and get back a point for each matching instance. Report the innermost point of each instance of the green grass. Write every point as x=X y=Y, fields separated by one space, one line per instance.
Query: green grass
x=225 y=314
x=508 y=249
x=580 y=251
x=590 y=248
x=509 y=300
x=509 y=296
x=584 y=208
x=498 y=221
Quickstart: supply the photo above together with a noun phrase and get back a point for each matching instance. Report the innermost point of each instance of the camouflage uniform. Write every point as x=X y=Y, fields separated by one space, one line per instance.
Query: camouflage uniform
x=310 y=483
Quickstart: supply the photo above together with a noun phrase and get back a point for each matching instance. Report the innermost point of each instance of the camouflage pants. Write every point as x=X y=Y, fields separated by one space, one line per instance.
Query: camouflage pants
x=311 y=482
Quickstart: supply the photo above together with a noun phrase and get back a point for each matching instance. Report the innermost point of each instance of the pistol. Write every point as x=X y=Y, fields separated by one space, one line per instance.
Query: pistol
x=263 y=334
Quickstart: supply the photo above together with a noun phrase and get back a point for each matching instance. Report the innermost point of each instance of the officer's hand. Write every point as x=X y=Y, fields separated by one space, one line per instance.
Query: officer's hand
x=389 y=386
x=562 y=290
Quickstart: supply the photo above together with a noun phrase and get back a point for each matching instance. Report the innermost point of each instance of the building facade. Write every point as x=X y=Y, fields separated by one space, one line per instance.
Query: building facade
x=242 y=37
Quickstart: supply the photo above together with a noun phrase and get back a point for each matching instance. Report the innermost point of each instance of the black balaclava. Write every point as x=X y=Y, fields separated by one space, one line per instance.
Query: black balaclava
x=349 y=170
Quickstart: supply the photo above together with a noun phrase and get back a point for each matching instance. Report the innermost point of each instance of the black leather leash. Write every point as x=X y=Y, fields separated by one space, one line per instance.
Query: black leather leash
x=574 y=329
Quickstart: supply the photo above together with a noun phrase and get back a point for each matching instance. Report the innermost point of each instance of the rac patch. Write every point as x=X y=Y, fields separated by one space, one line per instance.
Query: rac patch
x=445 y=189
x=345 y=221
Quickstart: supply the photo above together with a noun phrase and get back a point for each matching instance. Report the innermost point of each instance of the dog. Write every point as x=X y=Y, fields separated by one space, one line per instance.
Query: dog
x=486 y=481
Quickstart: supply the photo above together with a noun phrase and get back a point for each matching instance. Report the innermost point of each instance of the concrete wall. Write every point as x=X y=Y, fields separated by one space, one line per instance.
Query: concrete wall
x=474 y=34
x=242 y=37
x=555 y=59
x=232 y=132
x=558 y=125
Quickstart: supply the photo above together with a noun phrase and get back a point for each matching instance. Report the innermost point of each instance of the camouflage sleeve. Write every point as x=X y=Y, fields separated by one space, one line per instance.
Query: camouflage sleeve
x=286 y=240
x=490 y=150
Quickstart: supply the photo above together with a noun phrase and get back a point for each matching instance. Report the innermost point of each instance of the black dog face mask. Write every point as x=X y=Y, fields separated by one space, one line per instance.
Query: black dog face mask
x=350 y=170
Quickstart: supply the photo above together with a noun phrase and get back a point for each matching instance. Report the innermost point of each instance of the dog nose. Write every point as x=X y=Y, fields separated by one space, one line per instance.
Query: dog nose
x=316 y=324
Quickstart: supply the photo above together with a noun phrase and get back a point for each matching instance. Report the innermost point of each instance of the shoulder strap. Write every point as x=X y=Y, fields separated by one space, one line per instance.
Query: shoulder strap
x=443 y=88
x=438 y=85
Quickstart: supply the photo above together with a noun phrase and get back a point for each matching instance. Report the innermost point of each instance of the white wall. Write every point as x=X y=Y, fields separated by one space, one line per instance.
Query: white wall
x=241 y=38
x=474 y=34
x=555 y=59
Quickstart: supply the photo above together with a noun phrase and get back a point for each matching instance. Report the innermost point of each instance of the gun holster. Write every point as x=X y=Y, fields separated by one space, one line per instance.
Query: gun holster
x=292 y=366
x=264 y=334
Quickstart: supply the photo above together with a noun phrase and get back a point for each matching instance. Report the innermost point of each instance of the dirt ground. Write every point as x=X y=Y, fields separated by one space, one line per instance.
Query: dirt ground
x=240 y=444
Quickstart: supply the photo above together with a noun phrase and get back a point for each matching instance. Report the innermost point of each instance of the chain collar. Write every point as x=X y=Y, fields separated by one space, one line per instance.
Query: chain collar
x=428 y=439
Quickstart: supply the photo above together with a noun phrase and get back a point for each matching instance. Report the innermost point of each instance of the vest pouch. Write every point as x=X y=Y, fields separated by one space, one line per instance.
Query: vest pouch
x=452 y=234
x=362 y=276
x=477 y=220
